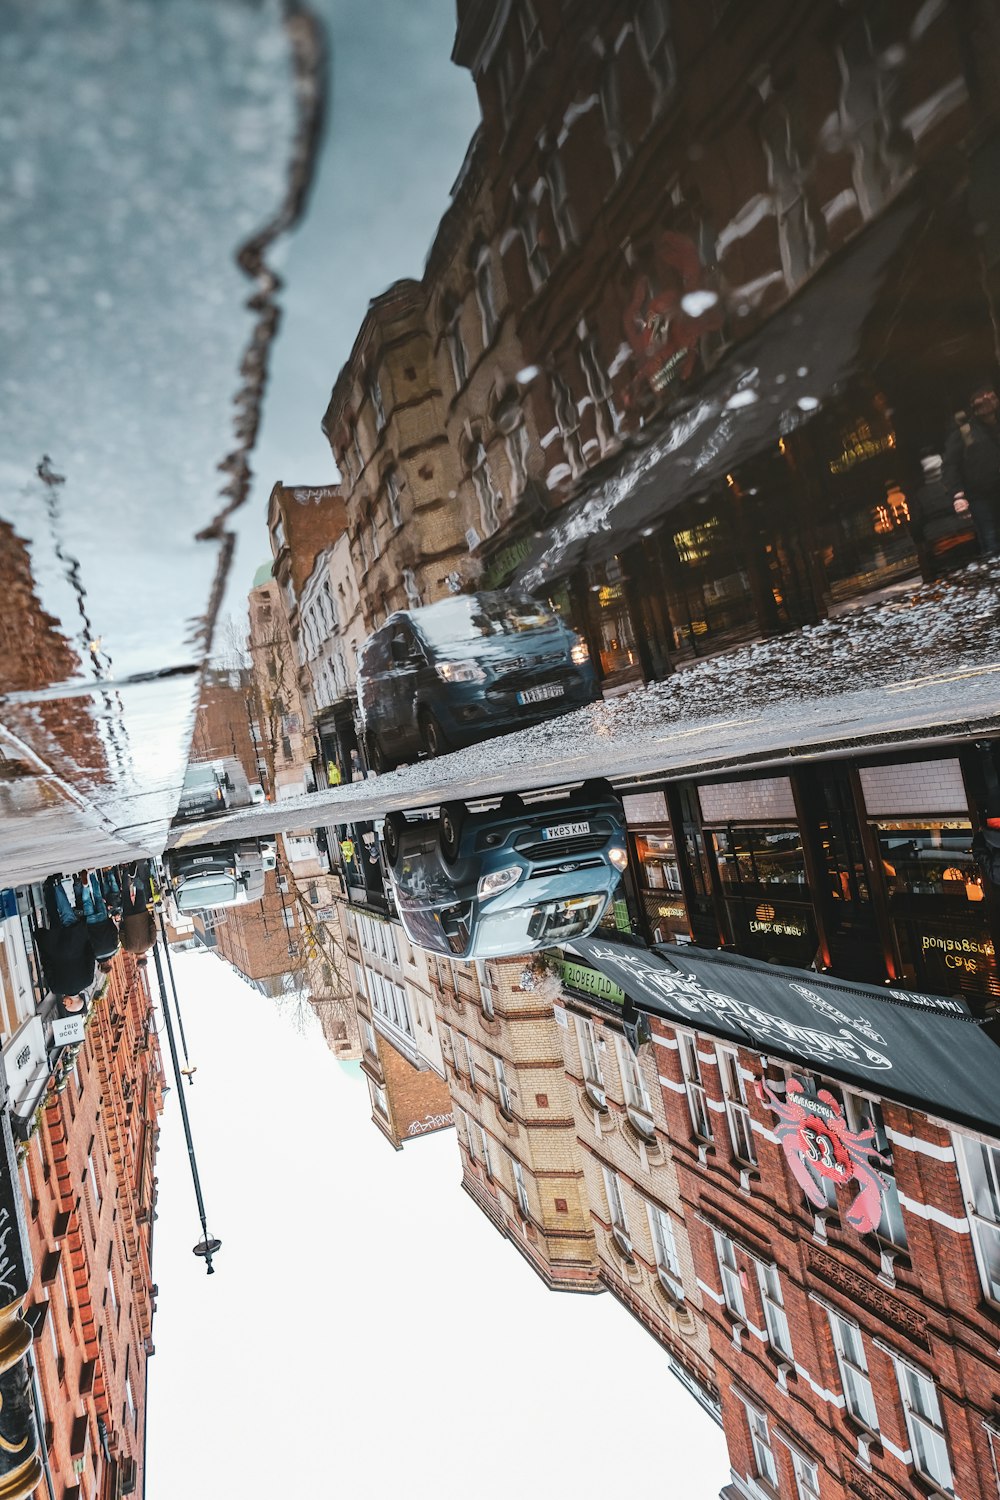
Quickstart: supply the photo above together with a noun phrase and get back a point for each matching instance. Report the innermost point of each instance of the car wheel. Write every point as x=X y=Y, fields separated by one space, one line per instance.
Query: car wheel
x=377 y=759
x=511 y=804
x=432 y=734
x=452 y=822
x=392 y=832
x=596 y=790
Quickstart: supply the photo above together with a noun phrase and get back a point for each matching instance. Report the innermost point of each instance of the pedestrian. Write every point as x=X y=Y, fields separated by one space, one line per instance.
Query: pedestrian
x=137 y=930
x=937 y=525
x=101 y=929
x=333 y=777
x=357 y=771
x=972 y=466
x=64 y=948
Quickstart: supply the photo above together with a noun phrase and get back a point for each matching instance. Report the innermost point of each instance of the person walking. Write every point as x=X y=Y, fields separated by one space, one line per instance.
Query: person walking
x=972 y=466
x=101 y=929
x=68 y=960
x=138 y=925
x=938 y=528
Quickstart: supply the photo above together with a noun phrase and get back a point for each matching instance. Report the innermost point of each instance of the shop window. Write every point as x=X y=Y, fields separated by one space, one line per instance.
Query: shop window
x=612 y=621
x=711 y=583
x=759 y=857
x=921 y=857
x=981 y=1180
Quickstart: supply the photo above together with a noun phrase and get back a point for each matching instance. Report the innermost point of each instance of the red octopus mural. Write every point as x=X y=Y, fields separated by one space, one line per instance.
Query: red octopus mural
x=818 y=1142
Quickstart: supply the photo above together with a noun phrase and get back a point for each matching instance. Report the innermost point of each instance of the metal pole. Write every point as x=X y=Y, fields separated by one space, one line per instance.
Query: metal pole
x=173 y=988
x=208 y=1246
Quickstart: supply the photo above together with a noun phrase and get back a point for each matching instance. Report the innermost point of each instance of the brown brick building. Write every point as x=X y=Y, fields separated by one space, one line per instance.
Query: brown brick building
x=90 y=1194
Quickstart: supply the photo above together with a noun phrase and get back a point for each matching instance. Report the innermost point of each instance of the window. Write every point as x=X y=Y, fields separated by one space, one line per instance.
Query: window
x=538 y=263
x=392 y=499
x=637 y=1100
x=375 y=391
x=760 y=857
x=921 y=857
x=737 y=1112
x=785 y=172
x=485 y=294
x=368 y=1038
x=456 y=344
x=981 y=1177
x=506 y=80
x=760 y=1440
x=732 y=1286
x=381 y=1099
x=668 y=1264
x=695 y=1089
x=599 y=390
x=485 y=988
x=470 y=1061
x=861 y=1113
x=652 y=22
x=509 y=420
x=562 y=214
x=806 y=1477
x=854 y=1376
x=568 y=422
x=774 y=1310
x=522 y=1194
x=486 y=491
x=616 y=1211
x=359 y=457
x=619 y=144
x=593 y=1077
x=924 y=1424
x=53 y=1335
x=484 y=1148
x=503 y=1089
x=531 y=32
x=278 y=534
x=92 y=1175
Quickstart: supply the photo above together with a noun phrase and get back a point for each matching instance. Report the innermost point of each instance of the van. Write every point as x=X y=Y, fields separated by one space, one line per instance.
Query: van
x=463 y=670
x=210 y=875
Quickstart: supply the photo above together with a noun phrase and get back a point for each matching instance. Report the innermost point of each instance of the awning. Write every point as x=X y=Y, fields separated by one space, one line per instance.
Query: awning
x=922 y=1050
x=762 y=390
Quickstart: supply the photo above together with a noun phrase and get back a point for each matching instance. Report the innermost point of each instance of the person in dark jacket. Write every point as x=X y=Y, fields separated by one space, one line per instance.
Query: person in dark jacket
x=68 y=960
x=138 y=925
x=972 y=466
x=936 y=525
x=101 y=928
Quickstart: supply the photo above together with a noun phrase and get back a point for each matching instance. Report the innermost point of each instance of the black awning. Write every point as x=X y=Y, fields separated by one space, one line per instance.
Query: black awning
x=746 y=404
x=922 y=1050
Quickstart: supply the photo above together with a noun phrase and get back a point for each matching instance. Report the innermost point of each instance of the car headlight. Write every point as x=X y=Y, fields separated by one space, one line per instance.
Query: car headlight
x=499 y=880
x=579 y=653
x=460 y=671
x=618 y=857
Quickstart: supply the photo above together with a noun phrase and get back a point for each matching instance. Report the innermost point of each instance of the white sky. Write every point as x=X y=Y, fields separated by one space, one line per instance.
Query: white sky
x=367 y=1331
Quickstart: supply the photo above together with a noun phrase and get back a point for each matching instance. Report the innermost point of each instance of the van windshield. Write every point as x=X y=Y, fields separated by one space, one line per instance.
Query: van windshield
x=473 y=617
x=214 y=890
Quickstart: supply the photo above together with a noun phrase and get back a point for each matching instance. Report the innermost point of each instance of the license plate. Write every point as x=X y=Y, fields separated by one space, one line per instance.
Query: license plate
x=540 y=694
x=565 y=830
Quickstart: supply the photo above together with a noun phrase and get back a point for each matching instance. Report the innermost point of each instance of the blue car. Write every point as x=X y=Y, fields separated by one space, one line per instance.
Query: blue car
x=510 y=880
x=463 y=669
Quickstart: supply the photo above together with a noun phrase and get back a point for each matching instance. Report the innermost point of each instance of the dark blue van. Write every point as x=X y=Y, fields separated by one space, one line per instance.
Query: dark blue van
x=464 y=669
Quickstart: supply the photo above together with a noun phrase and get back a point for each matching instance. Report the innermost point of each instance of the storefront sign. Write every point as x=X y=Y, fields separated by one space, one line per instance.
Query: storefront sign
x=587 y=981
x=68 y=1031
x=860 y=444
x=939 y=1062
x=506 y=560
x=766 y=920
x=961 y=955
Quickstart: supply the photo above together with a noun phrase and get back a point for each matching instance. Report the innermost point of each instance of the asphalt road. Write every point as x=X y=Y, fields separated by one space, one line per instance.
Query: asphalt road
x=630 y=741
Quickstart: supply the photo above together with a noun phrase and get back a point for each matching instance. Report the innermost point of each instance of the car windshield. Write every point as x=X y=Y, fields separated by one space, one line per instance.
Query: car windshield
x=526 y=928
x=470 y=618
x=217 y=890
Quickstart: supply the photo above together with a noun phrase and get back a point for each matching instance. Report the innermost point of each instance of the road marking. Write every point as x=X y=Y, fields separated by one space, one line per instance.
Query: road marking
x=682 y=734
x=911 y=684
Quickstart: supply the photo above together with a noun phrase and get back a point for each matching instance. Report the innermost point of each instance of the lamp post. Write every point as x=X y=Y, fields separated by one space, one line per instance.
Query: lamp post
x=206 y=1246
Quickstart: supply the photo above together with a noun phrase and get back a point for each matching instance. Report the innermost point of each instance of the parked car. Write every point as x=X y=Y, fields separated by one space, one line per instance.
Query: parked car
x=510 y=880
x=206 y=790
x=209 y=875
x=464 y=669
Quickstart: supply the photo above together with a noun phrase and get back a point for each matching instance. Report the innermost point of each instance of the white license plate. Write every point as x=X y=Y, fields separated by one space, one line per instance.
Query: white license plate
x=539 y=694
x=565 y=830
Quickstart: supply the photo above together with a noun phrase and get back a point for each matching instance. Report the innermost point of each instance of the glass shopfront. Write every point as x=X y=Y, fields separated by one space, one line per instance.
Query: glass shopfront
x=766 y=895
x=656 y=868
x=611 y=626
x=938 y=905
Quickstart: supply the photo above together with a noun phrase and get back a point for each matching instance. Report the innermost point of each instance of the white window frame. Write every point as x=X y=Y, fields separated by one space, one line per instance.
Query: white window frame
x=729 y=1275
x=617 y=1212
x=984 y=1214
x=378 y=405
x=806 y=1476
x=590 y=1062
x=668 y=1265
x=484 y=1148
x=470 y=1062
x=928 y=1439
x=775 y=1317
x=760 y=1442
x=485 y=989
x=520 y=1190
x=562 y=212
x=638 y=1104
x=503 y=1087
x=486 y=294
x=737 y=1108
x=855 y=1379
x=392 y=492
x=694 y=1086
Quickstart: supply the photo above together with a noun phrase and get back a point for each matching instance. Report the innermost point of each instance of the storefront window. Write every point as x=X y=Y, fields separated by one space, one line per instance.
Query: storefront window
x=712 y=590
x=921 y=857
x=759 y=857
x=659 y=879
x=612 y=621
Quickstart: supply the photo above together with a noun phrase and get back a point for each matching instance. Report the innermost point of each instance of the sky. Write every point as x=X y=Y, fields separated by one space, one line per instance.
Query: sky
x=367 y=1331
x=399 y=120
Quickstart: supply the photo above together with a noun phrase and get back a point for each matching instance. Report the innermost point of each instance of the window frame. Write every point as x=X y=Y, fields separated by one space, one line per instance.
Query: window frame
x=694 y=1086
x=779 y=1334
x=918 y=1425
x=520 y=1188
x=617 y=1213
x=859 y=1373
x=665 y=1253
x=738 y=1116
x=729 y=1275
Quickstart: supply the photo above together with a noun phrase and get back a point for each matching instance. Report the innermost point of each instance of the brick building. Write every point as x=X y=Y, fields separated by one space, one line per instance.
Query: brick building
x=90 y=1193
